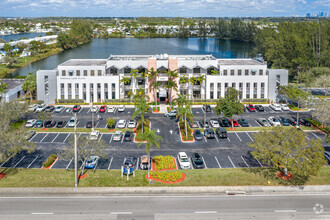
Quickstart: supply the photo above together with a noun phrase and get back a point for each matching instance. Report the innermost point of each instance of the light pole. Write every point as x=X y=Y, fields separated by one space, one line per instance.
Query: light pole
x=75 y=151
x=92 y=109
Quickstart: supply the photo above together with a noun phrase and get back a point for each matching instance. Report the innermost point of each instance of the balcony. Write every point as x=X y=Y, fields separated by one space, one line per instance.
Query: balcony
x=196 y=87
x=184 y=86
x=128 y=87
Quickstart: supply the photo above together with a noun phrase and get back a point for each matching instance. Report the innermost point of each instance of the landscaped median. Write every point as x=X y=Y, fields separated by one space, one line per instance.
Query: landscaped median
x=80 y=130
x=256 y=129
x=17 y=177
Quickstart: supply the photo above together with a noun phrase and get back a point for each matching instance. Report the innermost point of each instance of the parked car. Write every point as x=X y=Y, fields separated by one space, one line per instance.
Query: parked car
x=285 y=107
x=49 y=124
x=128 y=136
x=275 y=107
x=327 y=156
x=292 y=121
x=304 y=122
x=144 y=164
x=121 y=123
x=250 y=108
x=94 y=109
x=30 y=123
x=90 y=124
x=224 y=122
x=207 y=108
x=39 y=124
x=197 y=161
x=198 y=135
x=194 y=124
x=49 y=108
x=243 y=122
x=274 y=121
x=117 y=136
x=59 y=109
x=131 y=124
x=214 y=123
x=259 y=108
x=32 y=107
x=71 y=122
x=201 y=122
x=221 y=132
x=102 y=109
x=94 y=135
x=92 y=162
x=61 y=124
x=40 y=108
x=29 y=134
x=121 y=108
x=76 y=108
x=171 y=113
x=129 y=162
x=284 y=121
x=263 y=122
x=209 y=133
x=233 y=122
x=183 y=160
x=111 y=109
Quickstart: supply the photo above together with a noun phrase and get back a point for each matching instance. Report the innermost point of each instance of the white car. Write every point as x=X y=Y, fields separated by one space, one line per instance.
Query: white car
x=59 y=109
x=131 y=124
x=274 y=121
x=94 y=109
x=275 y=107
x=285 y=107
x=94 y=135
x=111 y=109
x=33 y=107
x=121 y=108
x=40 y=108
x=214 y=124
x=117 y=136
x=71 y=122
x=183 y=160
x=121 y=124
x=30 y=123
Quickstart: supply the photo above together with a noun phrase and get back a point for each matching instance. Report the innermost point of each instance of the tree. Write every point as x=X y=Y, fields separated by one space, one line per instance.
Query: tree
x=154 y=86
x=152 y=140
x=321 y=112
x=110 y=122
x=44 y=116
x=141 y=107
x=171 y=83
x=21 y=46
x=152 y=78
x=3 y=87
x=38 y=46
x=8 y=49
x=13 y=139
x=288 y=148
x=182 y=100
x=324 y=82
x=10 y=60
x=184 y=113
x=30 y=84
x=85 y=148
x=230 y=105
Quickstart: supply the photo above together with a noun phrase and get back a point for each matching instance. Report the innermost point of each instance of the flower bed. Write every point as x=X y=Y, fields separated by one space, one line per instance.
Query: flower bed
x=2 y=175
x=160 y=163
x=49 y=162
x=167 y=177
x=282 y=176
x=155 y=110
x=190 y=137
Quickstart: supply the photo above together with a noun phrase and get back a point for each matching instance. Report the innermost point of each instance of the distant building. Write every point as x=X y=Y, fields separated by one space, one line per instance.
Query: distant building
x=14 y=91
x=308 y=15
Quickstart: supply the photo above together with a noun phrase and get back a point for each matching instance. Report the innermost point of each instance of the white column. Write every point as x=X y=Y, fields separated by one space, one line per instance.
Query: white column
x=95 y=92
x=102 y=92
x=66 y=92
x=222 y=89
x=88 y=93
x=80 y=91
x=73 y=90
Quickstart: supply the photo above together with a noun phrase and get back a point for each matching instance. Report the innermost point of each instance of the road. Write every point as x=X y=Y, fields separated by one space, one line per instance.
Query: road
x=280 y=206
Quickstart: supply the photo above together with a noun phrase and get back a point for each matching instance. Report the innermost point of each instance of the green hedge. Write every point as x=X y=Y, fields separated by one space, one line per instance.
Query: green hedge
x=256 y=100
x=70 y=101
x=50 y=160
x=319 y=125
x=164 y=162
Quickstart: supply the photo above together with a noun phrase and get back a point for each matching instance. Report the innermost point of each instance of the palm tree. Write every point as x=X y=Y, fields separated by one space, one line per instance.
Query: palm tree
x=152 y=74
x=152 y=140
x=182 y=101
x=141 y=107
x=134 y=75
x=171 y=84
x=154 y=86
x=125 y=80
x=184 y=113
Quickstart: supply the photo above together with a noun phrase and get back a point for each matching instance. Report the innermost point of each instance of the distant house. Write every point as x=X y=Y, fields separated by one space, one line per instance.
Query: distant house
x=14 y=91
x=25 y=53
x=2 y=56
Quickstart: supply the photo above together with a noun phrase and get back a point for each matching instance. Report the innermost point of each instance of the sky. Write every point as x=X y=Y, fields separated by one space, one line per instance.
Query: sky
x=160 y=8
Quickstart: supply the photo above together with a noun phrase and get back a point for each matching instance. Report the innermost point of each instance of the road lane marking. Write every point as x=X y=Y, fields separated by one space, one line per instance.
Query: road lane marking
x=249 y=136
x=44 y=138
x=231 y=162
x=66 y=138
x=316 y=135
x=110 y=163
x=205 y=212
x=69 y=163
x=286 y=210
x=228 y=138
x=204 y=162
x=217 y=161
x=307 y=137
x=120 y=213
x=42 y=213
x=238 y=136
x=5 y=161
x=32 y=162
x=245 y=162
x=259 y=162
x=55 y=137
x=18 y=162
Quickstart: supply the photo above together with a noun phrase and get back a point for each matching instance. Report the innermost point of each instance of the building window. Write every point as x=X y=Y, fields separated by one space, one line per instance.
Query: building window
x=69 y=91
x=211 y=95
x=92 y=72
x=183 y=70
x=261 y=72
x=77 y=89
x=78 y=72
x=239 y=72
x=240 y=89
x=197 y=70
x=232 y=72
x=262 y=94
x=211 y=86
x=62 y=89
x=226 y=86
x=233 y=85
x=99 y=72
x=63 y=72
x=70 y=72
x=254 y=72
x=46 y=85
x=278 y=80
x=85 y=72
x=127 y=70
x=218 y=90
x=247 y=90
x=246 y=72
x=113 y=71
x=255 y=87
x=225 y=72
x=210 y=71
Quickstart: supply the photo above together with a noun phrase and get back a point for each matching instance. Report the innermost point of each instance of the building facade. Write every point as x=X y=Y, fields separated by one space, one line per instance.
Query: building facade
x=14 y=90
x=98 y=80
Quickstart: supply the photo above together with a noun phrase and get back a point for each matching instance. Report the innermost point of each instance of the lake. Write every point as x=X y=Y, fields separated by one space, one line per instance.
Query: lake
x=16 y=37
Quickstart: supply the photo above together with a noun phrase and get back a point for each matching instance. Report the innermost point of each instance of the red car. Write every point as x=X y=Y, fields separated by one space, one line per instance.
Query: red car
x=234 y=122
x=251 y=108
x=76 y=108
x=102 y=109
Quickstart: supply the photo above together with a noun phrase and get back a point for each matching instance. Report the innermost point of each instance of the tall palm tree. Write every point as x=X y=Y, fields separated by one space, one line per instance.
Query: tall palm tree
x=152 y=140
x=184 y=113
x=171 y=84
x=141 y=107
x=134 y=75
x=125 y=80
x=154 y=86
x=182 y=100
x=152 y=77
x=201 y=79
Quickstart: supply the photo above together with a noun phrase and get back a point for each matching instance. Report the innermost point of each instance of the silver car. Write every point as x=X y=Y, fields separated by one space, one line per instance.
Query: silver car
x=71 y=122
x=117 y=136
x=171 y=113
x=263 y=122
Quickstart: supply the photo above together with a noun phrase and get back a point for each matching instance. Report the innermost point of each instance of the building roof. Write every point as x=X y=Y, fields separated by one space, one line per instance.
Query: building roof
x=12 y=83
x=85 y=62
x=239 y=62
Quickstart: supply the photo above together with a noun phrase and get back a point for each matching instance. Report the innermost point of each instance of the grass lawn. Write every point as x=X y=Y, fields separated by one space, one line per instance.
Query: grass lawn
x=111 y=178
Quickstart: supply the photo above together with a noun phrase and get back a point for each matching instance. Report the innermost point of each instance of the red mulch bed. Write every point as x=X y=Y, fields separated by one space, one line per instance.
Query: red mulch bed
x=281 y=175
x=111 y=129
x=232 y=129
x=2 y=175
x=82 y=177
x=156 y=111
x=170 y=182
x=183 y=140
x=50 y=165
x=153 y=166
x=44 y=129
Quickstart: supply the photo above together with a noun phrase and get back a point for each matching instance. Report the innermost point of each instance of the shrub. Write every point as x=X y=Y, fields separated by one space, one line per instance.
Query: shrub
x=50 y=160
x=183 y=131
x=256 y=100
x=110 y=122
x=70 y=101
x=319 y=125
x=164 y=162
x=154 y=108
x=167 y=176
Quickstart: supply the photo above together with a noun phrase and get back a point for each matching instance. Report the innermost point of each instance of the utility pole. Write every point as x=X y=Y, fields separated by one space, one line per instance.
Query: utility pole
x=75 y=152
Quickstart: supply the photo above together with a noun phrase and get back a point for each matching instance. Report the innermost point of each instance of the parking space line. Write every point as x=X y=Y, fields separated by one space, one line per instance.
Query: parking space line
x=122 y=138
x=66 y=138
x=5 y=161
x=18 y=162
x=204 y=162
x=307 y=137
x=205 y=139
x=96 y=124
x=55 y=137
x=33 y=137
x=80 y=110
x=216 y=138
x=259 y=162
x=217 y=161
x=245 y=162
x=95 y=166
x=78 y=136
x=137 y=164
x=32 y=162
x=106 y=126
x=100 y=137
x=192 y=167
x=231 y=162
x=249 y=136
x=238 y=136
x=316 y=136
x=228 y=138
x=110 y=163
x=257 y=123
x=69 y=164
x=176 y=163
x=111 y=138
x=88 y=110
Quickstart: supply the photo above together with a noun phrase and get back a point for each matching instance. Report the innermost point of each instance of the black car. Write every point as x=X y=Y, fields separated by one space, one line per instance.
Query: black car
x=221 y=132
x=202 y=124
x=292 y=121
x=224 y=122
x=49 y=108
x=259 y=108
x=129 y=162
x=304 y=122
x=197 y=161
x=208 y=108
x=128 y=136
x=243 y=122
x=89 y=124
x=284 y=121
x=61 y=124
x=209 y=133
x=49 y=124
x=198 y=135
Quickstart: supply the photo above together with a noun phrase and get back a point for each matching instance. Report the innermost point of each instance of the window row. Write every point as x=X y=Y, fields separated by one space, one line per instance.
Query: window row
x=240 y=72
x=240 y=89
x=81 y=73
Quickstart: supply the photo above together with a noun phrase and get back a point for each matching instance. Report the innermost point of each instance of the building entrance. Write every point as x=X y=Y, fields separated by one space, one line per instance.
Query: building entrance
x=162 y=94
